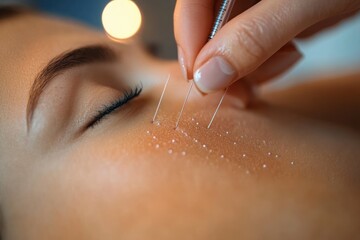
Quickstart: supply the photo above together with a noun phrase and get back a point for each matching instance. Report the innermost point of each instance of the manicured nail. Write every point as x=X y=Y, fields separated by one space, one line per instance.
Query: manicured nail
x=214 y=75
x=182 y=63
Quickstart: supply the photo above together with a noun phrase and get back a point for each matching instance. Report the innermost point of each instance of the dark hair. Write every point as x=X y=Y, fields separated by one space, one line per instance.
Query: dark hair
x=9 y=11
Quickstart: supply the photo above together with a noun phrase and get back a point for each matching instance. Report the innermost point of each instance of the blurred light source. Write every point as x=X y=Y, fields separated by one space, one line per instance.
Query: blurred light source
x=121 y=19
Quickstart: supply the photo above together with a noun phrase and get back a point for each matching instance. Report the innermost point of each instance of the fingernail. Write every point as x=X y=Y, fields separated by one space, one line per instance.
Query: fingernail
x=182 y=63
x=216 y=74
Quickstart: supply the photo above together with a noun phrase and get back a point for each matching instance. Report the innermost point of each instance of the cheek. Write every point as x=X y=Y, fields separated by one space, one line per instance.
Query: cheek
x=80 y=194
x=105 y=190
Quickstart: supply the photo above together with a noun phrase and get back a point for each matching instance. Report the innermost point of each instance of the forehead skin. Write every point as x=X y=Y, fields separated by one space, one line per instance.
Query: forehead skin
x=30 y=42
x=74 y=194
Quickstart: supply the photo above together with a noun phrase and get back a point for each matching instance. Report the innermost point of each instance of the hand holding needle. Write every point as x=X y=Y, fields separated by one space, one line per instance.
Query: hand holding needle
x=252 y=38
x=222 y=17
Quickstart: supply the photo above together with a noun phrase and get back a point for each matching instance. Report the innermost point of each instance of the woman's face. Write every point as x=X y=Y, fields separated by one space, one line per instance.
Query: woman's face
x=80 y=158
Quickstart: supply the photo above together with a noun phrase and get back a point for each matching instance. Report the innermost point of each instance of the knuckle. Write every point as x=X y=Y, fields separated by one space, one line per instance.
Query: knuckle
x=247 y=38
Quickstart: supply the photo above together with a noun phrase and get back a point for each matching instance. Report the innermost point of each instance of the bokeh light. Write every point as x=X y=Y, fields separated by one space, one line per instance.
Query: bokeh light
x=121 y=19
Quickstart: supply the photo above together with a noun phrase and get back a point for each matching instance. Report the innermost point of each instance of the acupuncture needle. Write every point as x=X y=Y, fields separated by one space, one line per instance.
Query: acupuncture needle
x=222 y=18
x=161 y=98
x=217 y=108
x=183 y=106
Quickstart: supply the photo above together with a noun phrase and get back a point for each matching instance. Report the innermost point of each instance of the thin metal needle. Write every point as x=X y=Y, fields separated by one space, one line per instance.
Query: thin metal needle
x=161 y=98
x=218 y=107
x=183 y=106
x=222 y=17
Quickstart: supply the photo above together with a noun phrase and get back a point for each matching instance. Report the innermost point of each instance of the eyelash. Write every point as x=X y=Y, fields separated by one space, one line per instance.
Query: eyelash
x=126 y=97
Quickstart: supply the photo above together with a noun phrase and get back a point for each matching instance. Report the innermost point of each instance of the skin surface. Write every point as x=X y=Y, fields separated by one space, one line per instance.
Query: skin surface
x=285 y=169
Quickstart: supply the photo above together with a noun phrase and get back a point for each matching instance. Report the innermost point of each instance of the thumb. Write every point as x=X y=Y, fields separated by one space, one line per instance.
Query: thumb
x=248 y=40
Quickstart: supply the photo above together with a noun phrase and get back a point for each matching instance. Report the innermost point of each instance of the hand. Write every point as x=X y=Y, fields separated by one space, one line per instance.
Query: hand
x=260 y=34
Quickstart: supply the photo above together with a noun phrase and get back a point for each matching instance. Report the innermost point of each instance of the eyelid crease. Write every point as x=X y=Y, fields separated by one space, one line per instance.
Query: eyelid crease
x=126 y=97
x=71 y=59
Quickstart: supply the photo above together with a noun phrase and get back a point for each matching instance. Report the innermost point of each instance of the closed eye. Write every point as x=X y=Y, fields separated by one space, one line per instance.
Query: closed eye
x=126 y=97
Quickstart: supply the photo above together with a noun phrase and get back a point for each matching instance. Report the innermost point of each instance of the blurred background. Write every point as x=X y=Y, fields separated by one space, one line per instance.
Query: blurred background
x=332 y=52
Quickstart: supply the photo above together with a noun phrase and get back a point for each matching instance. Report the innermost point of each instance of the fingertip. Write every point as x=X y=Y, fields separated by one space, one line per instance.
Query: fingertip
x=182 y=62
x=192 y=24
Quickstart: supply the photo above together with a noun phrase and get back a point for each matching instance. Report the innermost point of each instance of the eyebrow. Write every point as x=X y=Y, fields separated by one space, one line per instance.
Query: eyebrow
x=74 y=58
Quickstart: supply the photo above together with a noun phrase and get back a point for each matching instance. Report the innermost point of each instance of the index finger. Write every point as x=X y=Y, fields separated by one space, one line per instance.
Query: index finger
x=192 y=24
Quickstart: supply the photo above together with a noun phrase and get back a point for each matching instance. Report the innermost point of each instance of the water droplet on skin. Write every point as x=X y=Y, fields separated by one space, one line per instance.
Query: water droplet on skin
x=210 y=151
x=154 y=137
x=276 y=156
x=157 y=123
x=235 y=143
x=195 y=140
x=197 y=123
x=157 y=146
x=173 y=141
x=222 y=156
x=148 y=132
x=183 y=153
x=220 y=135
x=264 y=166
x=292 y=163
x=193 y=119
x=264 y=142
x=204 y=146
x=227 y=132
x=244 y=155
x=269 y=153
x=241 y=136
x=170 y=151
